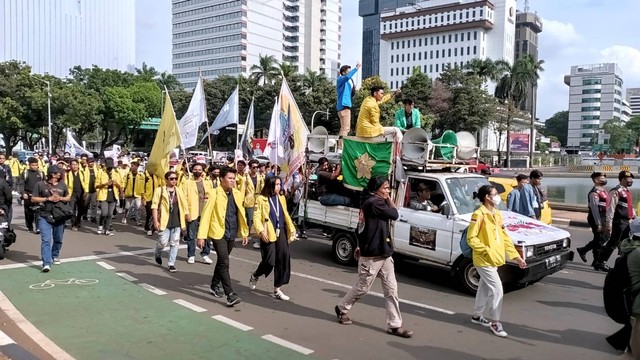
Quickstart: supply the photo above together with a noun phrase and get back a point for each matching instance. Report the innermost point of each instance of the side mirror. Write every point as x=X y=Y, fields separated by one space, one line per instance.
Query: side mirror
x=445 y=209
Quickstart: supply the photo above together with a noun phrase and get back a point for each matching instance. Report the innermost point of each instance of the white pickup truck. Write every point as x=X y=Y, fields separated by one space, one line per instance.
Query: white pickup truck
x=434 y=237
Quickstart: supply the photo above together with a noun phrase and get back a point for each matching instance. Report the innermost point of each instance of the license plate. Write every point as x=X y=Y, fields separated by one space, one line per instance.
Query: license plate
x=552 y=261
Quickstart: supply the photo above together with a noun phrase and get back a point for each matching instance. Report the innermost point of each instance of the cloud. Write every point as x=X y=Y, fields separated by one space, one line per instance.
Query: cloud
x=628 y=58
x=559 y=39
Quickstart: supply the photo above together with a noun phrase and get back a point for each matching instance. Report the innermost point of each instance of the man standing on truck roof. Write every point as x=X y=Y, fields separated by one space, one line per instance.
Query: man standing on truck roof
x=598 y=200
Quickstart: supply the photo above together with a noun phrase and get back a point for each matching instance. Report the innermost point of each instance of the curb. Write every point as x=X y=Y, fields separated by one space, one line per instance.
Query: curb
x=9 y=349
x=569 y=222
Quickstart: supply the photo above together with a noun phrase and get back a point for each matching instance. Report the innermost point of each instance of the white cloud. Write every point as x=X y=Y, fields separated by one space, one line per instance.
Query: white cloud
x=628 y=58
x=560 y=33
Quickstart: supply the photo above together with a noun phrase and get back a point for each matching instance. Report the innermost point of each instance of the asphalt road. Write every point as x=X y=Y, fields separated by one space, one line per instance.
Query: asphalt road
x=560 y=317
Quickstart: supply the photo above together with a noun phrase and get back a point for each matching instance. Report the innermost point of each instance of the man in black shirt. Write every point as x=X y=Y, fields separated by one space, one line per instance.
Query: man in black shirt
x=31 y=176
x=329 y=187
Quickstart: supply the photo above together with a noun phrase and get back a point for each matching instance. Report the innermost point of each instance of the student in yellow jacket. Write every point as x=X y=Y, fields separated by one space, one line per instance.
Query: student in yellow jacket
x=108 y=185
x=170 y=215
x=222 y=220
x=254 y=183
x=490 y=242
x=275 y=228
x=133 y=191
x=123 y=170
x=78 y=184
x=368 y=124
x=151 y=182
x=197 y=189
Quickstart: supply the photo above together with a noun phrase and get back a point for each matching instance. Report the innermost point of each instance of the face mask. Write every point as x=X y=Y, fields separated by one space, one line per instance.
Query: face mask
x=629 y=183
x=496 y=200
x=197 y=174
x=603 y=182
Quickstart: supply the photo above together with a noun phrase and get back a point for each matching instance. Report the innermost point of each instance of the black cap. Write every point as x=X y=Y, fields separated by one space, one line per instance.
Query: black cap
x=625 y=174
x=598 y=174
x=53 y=169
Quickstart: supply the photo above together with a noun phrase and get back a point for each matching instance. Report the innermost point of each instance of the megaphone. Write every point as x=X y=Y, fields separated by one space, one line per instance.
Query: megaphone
x=415 y=144
x=447 y=138
x=318 y=139
x=466 y=145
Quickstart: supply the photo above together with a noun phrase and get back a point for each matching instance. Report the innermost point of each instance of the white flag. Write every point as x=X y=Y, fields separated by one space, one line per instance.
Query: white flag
x=228 y=115
x=194 y=117
x=114 y=153
x=72 y=146
x=275 y=149
x=247 y=134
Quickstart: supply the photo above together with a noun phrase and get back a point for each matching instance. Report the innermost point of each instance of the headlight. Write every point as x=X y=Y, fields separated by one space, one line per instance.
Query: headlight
x=529 y=251
x=566 y=243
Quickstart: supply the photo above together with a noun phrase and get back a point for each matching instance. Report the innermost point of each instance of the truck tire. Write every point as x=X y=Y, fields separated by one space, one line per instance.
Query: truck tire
x=343 y=248
x=3 y=250
x=468 y=277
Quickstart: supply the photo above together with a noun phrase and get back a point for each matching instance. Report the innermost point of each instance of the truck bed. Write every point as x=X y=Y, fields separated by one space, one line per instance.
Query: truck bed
x=340 y=217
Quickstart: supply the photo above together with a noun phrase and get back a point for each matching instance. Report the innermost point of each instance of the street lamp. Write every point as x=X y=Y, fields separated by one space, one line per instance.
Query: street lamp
x=48 y=111
x=318 y=112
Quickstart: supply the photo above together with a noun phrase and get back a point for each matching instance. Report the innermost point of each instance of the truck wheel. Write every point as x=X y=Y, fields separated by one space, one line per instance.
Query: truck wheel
x=344 y=246
x=2 y=252
x=468 y=277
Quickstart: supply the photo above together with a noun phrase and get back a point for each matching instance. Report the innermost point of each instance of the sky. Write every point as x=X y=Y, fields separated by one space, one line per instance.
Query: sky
x=575 y=32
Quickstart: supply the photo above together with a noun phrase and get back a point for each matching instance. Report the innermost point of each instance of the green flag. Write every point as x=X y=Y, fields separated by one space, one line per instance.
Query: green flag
x=363 y=159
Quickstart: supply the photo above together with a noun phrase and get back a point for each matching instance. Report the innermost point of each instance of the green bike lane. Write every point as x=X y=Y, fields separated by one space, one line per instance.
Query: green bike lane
x=92 y=313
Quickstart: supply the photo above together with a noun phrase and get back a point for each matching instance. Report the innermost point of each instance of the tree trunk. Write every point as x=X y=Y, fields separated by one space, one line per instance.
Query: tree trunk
x=500 y=147
x=509 y=115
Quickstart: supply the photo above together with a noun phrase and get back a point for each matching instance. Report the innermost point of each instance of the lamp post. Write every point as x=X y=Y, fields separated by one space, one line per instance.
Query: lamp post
x=318 y=112
x=49 y=112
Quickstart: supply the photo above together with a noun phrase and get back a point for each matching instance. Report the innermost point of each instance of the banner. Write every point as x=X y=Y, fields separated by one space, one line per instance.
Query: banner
x=247 y=134
x=228 y=114
x=167 y=139
x=114 y=153
x=363 y=159
x=294 y=131
x=72 y=146
x=274 y=148
x=195 y=116
x=520 y=142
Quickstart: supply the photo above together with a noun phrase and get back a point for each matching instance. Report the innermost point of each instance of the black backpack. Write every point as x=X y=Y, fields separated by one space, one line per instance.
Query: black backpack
x=617 y=292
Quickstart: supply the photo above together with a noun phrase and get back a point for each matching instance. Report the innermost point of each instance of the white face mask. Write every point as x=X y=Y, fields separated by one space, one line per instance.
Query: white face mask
x=496 y=200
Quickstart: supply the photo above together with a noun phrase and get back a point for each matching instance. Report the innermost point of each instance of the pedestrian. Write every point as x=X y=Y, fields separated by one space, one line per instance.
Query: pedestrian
x=540 y=197
x=6 y=197
x=108 y=185
x=17 y=168
x=368 y=124
x=4 y=165
x=254 y=184
x=275 y=228
x=520 y=200
x=49 y=193
x=374 y=251
x=408 y=116
x=92 y=172
x=123 y=171
x=619 y=212
x=197 y=191
x=346 y=89
x=490 y=242
x=151 y=183
x=31 y=176
x=598 y=200
x=631 y=249
x=78 y=185
x=223 y=218
x=133 y=191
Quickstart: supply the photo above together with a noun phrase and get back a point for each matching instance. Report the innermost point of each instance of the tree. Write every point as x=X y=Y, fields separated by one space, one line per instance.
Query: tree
x=558 y=126
x=146 y=72
x=485 y=69
x=266 y=70
x=312 y=80
x=620 y=137
x=288 y=71
x=168 y=81
x=634 y=125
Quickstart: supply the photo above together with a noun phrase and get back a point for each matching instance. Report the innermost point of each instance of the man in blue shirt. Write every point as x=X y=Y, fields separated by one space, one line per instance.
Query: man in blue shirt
x=520 y=199
x=345 y=88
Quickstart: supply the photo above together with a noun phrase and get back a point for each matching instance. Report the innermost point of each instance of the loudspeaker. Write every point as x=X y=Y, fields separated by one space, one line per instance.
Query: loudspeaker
x=466 y=145
x=319 y=141
x=447 y=138
x=415 y=144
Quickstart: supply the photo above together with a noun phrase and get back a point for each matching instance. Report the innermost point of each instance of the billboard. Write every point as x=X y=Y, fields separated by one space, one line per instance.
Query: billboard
x=520 y=142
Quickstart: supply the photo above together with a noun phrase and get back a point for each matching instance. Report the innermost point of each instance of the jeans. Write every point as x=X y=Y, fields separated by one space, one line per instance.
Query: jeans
x=172 y=237
x=223 y=248
x=51 y=240
x=489 y=293
x=192 y=231
x=334 y=200
x=131 y=207
x=106 y=214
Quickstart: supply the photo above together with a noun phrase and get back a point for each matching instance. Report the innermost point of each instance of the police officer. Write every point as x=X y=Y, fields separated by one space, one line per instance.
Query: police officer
x=619 y=212
x=598 y=200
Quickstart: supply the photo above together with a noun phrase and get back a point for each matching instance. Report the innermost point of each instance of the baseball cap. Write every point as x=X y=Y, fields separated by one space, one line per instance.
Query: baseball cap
x=54 y=169
x=596 y=174
x=625 y=174
x=634 y=227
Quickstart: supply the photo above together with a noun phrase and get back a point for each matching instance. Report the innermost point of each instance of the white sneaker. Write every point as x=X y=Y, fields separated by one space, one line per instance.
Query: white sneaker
x=191 y=260
x=480 y=320
x=100 y=230
x=56 y=261
x=46 y=268
x=256 y=244
x=207 y=259
x=149 y=233
x=497 y=329
x=253 y=281
x=280 y=295
x=124 y=220
x=109 y=233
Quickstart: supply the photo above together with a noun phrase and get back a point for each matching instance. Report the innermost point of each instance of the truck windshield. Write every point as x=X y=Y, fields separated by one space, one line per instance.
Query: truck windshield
x=461 y=190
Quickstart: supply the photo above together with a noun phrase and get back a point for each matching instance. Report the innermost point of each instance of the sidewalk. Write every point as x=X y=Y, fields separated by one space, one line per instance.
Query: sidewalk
x=569 y=218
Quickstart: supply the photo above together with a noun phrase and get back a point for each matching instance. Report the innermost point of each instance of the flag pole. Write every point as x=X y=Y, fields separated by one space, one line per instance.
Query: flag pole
x=205 y=109
x=237 y=114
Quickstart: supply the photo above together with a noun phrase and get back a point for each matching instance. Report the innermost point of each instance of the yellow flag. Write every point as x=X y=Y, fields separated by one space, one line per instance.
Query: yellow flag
x=167 y=139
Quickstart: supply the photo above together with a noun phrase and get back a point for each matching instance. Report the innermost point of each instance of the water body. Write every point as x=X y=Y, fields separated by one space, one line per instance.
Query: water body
x=573 y=191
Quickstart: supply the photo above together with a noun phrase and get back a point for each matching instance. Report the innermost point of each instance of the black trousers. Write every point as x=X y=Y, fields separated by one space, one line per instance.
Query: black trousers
x=275 y=255
x=30 y=215
x=596 y=244
x=223 y=248
x=148 y=224
x=77 y=205
x=619 y=232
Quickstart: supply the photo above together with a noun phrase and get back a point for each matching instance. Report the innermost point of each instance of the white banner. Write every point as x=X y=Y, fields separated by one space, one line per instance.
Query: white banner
x=194 y=117
x=275 y=148
x=72 y=146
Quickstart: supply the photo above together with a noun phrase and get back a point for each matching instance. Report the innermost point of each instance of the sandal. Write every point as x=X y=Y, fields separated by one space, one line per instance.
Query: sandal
x=400 y=332
x=342 y=317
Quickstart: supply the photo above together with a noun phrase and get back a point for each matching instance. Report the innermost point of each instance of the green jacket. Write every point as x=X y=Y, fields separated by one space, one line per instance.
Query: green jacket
x=401 y=120
x=630 y=247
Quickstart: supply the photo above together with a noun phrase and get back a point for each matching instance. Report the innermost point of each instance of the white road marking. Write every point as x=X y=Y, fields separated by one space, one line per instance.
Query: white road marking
x=189 y=305
x=33 y=332
x=153 y=289
x=233 y=323
x=287 y=344
x=126 y=276
x=5 y=339
x=105 y=265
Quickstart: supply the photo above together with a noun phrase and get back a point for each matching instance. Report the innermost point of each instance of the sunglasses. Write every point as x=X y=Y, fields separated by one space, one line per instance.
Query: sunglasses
x=173 y=178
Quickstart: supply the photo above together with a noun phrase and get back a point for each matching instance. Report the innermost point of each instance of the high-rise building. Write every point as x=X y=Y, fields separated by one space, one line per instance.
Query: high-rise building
x=228 y=37
x=595 y=96
x=53 y=36
x=432 y=35
x=370 y=11
x=633 y=97
x=528 y=26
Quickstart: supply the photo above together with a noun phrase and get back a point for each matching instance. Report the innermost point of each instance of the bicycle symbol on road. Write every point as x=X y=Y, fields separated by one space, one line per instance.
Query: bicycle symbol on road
x=51 y=283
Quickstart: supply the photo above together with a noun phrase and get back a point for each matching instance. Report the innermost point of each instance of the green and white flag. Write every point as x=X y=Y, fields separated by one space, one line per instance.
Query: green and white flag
x=362 y=159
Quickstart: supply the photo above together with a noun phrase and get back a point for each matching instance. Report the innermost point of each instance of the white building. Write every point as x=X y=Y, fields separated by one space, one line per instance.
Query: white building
x=595 y=96
x=633 y=97
x=228 y=38
x=55 y=35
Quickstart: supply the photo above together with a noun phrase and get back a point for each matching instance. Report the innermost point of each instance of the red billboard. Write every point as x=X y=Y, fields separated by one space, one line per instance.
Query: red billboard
x=520 y=142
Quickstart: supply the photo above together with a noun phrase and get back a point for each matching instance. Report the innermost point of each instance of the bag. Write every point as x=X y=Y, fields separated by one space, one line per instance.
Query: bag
x=617 y=292
x=464 y=245
x=56 y=213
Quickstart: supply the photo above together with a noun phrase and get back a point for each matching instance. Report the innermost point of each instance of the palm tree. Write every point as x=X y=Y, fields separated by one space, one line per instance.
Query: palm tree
x=288 y=71
x=168 y=80
x=266 y=70
x=312 y=80
x=148 y=72
x=485 y=69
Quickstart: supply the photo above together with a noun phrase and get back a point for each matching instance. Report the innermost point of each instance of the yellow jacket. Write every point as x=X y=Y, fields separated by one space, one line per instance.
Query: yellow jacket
x=102 y=178
x=42 y=165
x=161 y=202
x=129 y=190
x=151 y=182
x=84 y=180
x=481 y=236
x=190 y=189
x=16 y=167
x=85 y=171
x=251 y=192
x=261 y=218
x=213 y=215
x=122 y=172
x=368 y=124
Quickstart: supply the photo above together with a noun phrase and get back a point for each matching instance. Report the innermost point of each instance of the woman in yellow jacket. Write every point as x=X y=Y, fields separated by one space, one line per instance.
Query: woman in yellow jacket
x=274 y=226
x=490 y=242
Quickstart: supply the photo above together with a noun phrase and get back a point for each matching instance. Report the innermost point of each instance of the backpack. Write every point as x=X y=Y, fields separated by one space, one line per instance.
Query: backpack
x=617 y=292
x=464 y=245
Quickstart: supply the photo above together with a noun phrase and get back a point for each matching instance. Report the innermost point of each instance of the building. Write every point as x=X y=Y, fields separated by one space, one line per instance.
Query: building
x=633 y=97
x=595 y=96
x=55 y=35
x=434 y=34
x=528 y=26
x=228 y=38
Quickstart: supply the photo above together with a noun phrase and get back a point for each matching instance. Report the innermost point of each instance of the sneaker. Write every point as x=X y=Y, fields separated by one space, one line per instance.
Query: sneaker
x=149 y=233
x=37 y=231
x=100 y=230
x=303 y=235
x=216 y=291
x=46 y=268
x=93 y=220
x=480 y=320
x=497 y=329
x=158 y=260
x=74 y=228
x=233 y=299
x=342 y=317
x=172 y=269
x=256 y=244
x=601 y=267
x=56 y=261
x=207 y=259
x=124 y=220
x=582 y=254
x=253 y=281
x=280 y=295
x=109 y=233
x=191 y=260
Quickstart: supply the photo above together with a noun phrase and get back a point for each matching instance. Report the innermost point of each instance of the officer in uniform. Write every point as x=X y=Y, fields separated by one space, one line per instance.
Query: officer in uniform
x=598 y=200
x=619 y=212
